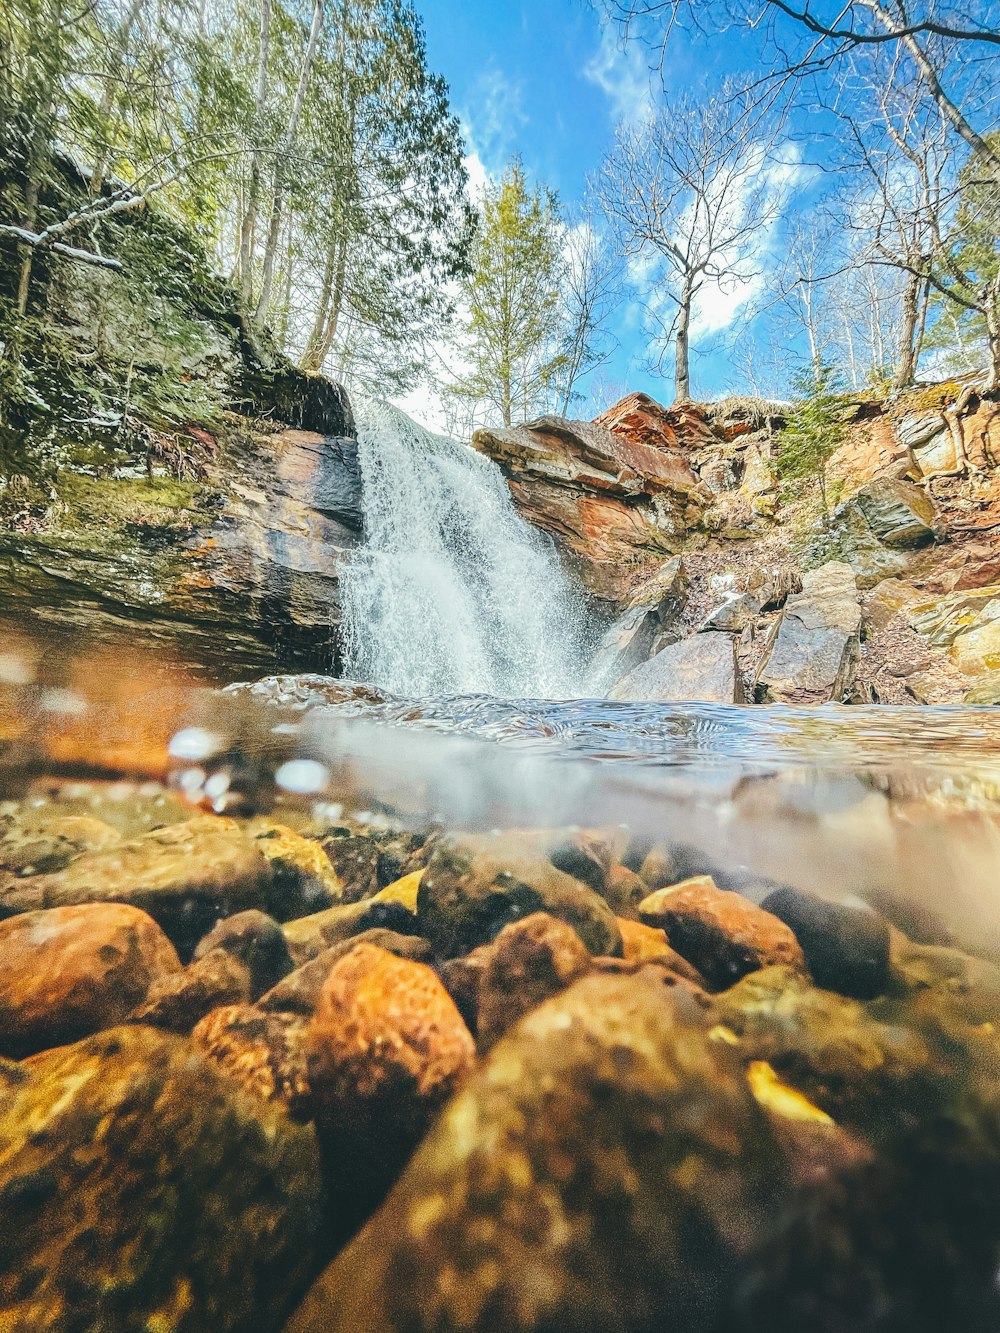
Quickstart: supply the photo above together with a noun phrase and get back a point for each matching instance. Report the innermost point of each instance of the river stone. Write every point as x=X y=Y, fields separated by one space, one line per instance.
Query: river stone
x=723 y=934
x=529 y=961
x=177 y=1002
x=28 y=847
x=266 y=1054
x=898 y=512
x=70 y=971
x=141 y=1189
x=257 y=941
x=814 y=651
x=474 y=886
x=302 y=877
x=185 y=876
x=309 y=936
x=298 y=993
x=606 y=1168
x=387 y=1048
x=846 y=948
x=702 y=667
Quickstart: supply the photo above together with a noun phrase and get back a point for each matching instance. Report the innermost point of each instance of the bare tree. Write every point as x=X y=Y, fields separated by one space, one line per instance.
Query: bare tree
x=829 y=30
x=591 y=291
x=690 y=189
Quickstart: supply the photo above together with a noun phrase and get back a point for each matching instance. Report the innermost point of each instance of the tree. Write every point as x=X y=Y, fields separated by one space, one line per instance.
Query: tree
x=513 y=297
x=690 y=190
x=591 y=291
x=814 y=430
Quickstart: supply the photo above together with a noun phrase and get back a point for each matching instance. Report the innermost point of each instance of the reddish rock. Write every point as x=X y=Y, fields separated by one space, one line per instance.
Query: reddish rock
x=649 y=944
x=299 y=992
x=641 y=422
x=265 y=1053
x=723 y=934
x=528 y=962
x=387 y=1048
x=71 y=971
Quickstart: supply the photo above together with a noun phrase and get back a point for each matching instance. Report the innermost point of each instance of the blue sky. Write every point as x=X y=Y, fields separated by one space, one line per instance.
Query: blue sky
x=549 y=79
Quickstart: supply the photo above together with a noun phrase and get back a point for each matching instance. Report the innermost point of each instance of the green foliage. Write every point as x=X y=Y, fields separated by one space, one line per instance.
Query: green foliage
x=513 y=294
x=815 y=428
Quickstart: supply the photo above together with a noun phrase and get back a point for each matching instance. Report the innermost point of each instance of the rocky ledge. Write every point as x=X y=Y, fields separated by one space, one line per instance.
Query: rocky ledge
x=285 y=1073
x=717 y=589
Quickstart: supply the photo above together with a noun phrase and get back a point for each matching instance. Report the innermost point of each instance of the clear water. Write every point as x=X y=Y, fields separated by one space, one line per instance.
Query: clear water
x=452 y=593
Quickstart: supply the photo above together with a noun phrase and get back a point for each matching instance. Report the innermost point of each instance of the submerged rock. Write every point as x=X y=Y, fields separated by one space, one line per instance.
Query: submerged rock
x=605 y=1169
x=846 y=948
x=474 y=886
x=184 y=876
x=723 y=934
x=39 y=848
x=177 y=1002
x=309 y=936
x=265 y=1053
x=257 y=941
x=141 y=1189
x=299 y=992
x=528 y=962
x=387 y=1048
x=70 y=971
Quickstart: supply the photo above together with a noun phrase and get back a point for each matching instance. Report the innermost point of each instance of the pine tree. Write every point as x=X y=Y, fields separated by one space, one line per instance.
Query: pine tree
x=816 y=427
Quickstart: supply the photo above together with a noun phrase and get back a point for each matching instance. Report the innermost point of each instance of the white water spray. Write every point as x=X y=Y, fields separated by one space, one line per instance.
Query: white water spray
x=452 y=593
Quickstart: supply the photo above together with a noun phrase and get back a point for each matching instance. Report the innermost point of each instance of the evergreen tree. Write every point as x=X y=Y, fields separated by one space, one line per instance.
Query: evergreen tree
x=816 y=427
x=513 y=295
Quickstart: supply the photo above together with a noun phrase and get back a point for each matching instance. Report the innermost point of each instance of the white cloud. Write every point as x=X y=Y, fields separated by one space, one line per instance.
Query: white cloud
x=622 y=75
x=494 y=122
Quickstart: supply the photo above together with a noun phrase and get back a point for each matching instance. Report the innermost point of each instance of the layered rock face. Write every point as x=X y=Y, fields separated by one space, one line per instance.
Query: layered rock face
x=675 y=517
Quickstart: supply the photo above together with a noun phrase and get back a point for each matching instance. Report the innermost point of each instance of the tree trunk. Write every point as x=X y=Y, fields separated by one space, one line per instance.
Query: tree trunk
x=248 y=227
x=281 y=165
x=328 y=317
x=108 y=95
x=682 y=379
x=906 y=357
x=992 y=313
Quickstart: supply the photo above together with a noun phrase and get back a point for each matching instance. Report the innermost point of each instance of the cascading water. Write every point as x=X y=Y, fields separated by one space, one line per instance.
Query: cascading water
x=452 y=593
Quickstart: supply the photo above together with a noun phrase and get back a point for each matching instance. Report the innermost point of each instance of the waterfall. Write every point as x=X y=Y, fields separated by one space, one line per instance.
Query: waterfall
x=452 y=592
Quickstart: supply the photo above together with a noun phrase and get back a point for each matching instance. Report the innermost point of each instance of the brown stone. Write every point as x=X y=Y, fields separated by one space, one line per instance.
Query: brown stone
x=177 y=1002
x=255 y=940
x=308 y=936
x=264 y=1052
x=70 y=971
x=387 y=1048
x=646 y=944
x=299 y=992
x=723 y=934
x=528 y=962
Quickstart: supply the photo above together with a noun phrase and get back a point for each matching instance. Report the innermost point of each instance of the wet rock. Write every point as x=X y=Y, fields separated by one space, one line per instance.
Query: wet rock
x=177 y=1002
x=947 y=983
x=302 y=878
x=474 y=886
x=723 y=934
x=367 y=859
x=70 y=971
x=624 y=889
x=141 y=1189
x=299 y=992
x=310 y=935
x=702 y=667
x=528 y=962
x=29 y=848
x=860 y=1065
x=650 y=618
x=899 y=513
x=658 y=867
x=846 y=948
x=265 y=1053
x=917 y=921
x=589 y=855
x=402 y=891
x=986 y=692
x=257 y=941
x=814 y=651
x=387 y=1048
x=645 y=944
x=463 y=978
x=545 y=1213
x=185 y=877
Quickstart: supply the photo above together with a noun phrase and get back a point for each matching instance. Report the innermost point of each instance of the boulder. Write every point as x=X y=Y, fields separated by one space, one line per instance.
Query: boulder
x=649 y=617
x=70 y=971
x=387 y=1048
x=606 y=1168
x=142 y=1189
x=702 y=667
x=900 y=514
x=814 y=649
x=723 y=934
x=473 y=886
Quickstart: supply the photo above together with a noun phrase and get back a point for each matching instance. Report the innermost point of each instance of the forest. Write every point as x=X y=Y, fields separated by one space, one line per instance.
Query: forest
x=301 y=166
